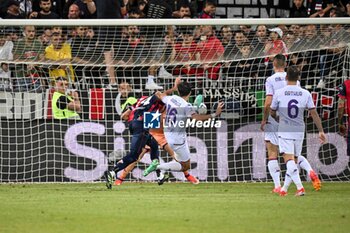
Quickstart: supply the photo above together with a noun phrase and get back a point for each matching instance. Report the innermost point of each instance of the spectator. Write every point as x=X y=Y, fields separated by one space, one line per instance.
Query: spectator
x=298 y=10
x=259 y=40
x=87 y=8
x=45 y=37
x=232 y=51
x=45 y=12
x=186 y=53
x=109 y=9
x=244 y=67
x=12 y=34
x=226 y=35
x=74 y=12
x=59 y=53
x=211 y=51
x=290 y=41
x=135 y=13
x=56 y=6
x=11 y=10
x=183 y=10
x=275 y=45
x=86 y=52
x=311 y=38
x=318 y=8
x=6 y=47
x=208 y=11
x=248 y=31
x=65 y=106
x=29 y=49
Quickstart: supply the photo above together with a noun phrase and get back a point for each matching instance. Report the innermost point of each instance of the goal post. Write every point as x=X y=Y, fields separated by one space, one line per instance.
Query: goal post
x=110 y=62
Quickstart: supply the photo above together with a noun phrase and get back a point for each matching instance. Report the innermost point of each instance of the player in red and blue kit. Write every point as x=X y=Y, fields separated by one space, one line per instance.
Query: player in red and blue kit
x=140 y=136
x=344 y=96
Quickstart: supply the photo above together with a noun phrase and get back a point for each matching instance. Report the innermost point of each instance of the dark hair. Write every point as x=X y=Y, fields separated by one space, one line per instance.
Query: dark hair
x=210 y=3
x=293 y=73
x=184 y=89
x=280 y=60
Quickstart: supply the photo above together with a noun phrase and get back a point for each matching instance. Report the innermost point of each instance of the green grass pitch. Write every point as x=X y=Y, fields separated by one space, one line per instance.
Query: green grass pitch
x=173 y=207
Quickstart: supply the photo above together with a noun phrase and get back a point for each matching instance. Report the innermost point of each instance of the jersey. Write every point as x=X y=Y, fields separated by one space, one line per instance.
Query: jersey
x=291 y=102
x=344 y=93
x=272 y=84
x=145 y=104
x=177 y=112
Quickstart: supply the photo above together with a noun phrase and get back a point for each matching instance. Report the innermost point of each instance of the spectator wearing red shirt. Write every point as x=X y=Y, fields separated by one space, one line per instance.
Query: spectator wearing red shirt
x=275 y=45
x=208 y=11
x=211 y=50
x=186 y=52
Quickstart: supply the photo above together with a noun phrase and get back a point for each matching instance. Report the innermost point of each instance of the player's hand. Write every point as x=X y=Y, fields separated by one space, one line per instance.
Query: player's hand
x=262 y=125
x=322 y=137
x=177 y=81
x=75 y=94
x=219 y=108
x=342 y=130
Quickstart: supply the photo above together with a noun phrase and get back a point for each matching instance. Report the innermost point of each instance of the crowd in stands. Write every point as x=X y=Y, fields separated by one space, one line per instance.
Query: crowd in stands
x=32 y=57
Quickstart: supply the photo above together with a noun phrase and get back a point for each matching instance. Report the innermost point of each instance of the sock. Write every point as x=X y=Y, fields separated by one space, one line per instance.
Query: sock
x=123 y=174
x=186 y=173
x=293 y=172
x=171 y=166
x=275 y=171
x=287 y=182
x=150 y=79
x=304 y=164
x=160 y=174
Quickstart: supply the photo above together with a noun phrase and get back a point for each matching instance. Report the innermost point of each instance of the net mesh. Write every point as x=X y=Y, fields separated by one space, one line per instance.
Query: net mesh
x=107 y=65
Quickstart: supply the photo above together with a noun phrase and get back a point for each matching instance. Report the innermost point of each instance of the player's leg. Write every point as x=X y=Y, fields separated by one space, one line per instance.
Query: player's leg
x=304 y=164
x=138 y=141
x=182 y=162
x=288 y=148
x=271 y=140
x=119 y=180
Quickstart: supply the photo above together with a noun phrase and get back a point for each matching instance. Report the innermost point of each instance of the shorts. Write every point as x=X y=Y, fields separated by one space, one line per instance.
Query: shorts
x=290 y=146
x=271 y=133
x=182 y=151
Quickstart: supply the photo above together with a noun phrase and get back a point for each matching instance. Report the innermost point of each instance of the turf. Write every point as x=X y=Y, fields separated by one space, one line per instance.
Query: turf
x=173 y=207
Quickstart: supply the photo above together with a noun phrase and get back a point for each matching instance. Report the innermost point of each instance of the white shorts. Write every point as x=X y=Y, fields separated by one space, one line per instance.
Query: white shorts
x=290 y=146
x=182 y=151
x=271 y=133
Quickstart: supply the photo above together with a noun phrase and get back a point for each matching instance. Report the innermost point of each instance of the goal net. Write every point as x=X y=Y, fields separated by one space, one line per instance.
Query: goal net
x=109 y=62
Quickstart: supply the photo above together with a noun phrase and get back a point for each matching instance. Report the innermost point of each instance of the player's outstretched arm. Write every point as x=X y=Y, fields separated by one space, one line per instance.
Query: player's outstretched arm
x=161 y=95
x=318 y=123
x=200 y=117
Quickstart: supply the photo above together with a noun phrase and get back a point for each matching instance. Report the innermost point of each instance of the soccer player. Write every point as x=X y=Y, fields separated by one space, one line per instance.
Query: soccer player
x=179 y=110
x=291 y=102
x=158 y=135
x=344 y=96
x=140 y=136
x=270 y=126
